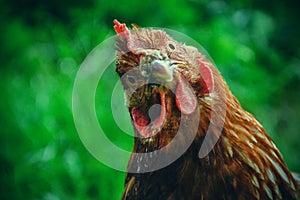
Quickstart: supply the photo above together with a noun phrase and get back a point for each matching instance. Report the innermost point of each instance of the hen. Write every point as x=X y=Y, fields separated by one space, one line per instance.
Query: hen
x=174 y=92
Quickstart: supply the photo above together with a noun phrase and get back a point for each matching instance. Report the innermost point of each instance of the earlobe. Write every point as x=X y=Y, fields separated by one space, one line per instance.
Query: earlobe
x=207 y=79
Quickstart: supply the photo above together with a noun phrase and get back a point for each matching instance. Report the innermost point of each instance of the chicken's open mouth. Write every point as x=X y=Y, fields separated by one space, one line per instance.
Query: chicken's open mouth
x=150 y=119
x=160 y=74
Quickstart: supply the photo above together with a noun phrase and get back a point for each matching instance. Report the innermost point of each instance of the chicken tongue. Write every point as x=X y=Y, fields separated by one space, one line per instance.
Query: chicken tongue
x=141 y=121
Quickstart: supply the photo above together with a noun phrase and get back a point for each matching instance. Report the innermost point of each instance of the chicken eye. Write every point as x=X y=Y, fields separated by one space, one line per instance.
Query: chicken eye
x=171 y=46
x=130 y=80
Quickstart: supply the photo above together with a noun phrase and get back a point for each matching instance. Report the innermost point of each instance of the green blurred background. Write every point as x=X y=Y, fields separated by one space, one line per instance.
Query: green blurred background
x=255 y=44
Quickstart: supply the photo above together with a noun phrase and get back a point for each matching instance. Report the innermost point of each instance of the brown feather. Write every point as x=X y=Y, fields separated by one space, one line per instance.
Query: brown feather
x=244 y=163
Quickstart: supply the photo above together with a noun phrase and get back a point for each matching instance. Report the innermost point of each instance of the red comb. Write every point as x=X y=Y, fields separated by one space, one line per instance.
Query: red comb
x=122 y=30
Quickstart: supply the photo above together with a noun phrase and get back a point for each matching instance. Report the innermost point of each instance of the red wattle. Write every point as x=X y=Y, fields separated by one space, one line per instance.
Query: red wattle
x=185 y=99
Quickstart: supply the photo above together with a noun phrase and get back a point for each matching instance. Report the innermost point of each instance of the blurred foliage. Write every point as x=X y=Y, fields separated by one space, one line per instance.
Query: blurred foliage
x=255 y=44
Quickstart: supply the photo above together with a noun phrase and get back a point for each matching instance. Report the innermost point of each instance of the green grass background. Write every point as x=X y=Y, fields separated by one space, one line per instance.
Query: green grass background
x=254 y=43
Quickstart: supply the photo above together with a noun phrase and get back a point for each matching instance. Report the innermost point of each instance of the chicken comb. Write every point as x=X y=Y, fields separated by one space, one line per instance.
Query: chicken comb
x=122 y=30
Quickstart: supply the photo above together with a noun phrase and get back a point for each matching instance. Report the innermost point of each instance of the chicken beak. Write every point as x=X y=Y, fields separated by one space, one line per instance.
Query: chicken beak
x=156 y=66
x=162 y=70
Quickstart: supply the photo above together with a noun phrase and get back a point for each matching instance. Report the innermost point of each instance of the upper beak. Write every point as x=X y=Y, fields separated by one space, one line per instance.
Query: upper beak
x=162 y=70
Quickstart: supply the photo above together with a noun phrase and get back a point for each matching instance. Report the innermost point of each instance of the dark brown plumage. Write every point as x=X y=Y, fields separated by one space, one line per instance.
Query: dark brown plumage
x=243 y=164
